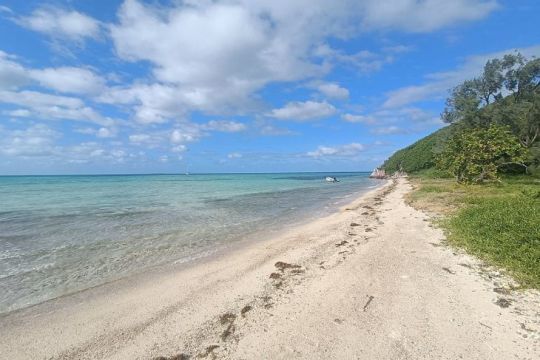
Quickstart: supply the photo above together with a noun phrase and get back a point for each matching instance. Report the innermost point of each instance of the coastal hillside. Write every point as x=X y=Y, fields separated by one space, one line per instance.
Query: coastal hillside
x=494 y=126
x=420 y=155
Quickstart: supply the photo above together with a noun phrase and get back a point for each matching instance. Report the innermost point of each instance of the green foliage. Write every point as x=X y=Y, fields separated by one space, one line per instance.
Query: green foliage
x=420 y=155
x=497 y=222
x=506 y=94
x=504 y=231
x=475 y=155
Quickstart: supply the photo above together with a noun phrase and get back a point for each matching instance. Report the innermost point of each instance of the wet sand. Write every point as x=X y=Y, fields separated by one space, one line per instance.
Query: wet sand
x=372 y=281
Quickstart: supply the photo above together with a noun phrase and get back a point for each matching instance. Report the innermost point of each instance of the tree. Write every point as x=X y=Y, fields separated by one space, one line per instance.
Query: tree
x=514 y=75
x=523 y=118
x=475 y=155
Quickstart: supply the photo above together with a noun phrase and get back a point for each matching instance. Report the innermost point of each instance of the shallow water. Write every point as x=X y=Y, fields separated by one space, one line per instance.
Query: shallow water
x=60 y=234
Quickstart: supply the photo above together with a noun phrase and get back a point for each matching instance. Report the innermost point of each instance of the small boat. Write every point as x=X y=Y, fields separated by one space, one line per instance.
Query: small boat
x=331 y=179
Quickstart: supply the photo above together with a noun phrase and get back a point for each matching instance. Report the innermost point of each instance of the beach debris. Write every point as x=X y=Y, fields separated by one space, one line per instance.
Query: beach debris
x=267 y=300
x=449 y=271
x=365 y=213
x=174 y=357
x=338 y=321
x=344 y=242
x=489 y=327
x=282 y=266
x=209 y=351
x=353 y=224
x=245 y=309
x=228 y=331
x=503 y=302
x=370 y=299
x=368 y=229
x=502 y=291
x=227 y=319
x=275 y=276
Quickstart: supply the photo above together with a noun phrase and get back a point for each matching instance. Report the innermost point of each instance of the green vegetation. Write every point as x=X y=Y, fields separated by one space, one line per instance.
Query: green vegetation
x=507 y=94
x=420 y=155
x=494 y=132
x=498 y=222
x=476 y=155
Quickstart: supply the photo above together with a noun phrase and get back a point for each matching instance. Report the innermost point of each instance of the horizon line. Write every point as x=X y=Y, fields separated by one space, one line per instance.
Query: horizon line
x=193 y=173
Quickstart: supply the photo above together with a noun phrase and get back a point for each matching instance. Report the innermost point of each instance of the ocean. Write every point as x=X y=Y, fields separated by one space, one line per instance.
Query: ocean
x=62 y=234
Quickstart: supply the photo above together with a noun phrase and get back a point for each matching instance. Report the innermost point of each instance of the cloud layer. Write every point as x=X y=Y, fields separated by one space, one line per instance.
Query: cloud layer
x=202 y=67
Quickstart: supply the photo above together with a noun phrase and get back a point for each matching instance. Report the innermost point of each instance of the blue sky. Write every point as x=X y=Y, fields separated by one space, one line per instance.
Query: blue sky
x=138 y=86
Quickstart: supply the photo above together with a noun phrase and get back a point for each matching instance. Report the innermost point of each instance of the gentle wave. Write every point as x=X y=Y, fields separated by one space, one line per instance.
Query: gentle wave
x=67 y=233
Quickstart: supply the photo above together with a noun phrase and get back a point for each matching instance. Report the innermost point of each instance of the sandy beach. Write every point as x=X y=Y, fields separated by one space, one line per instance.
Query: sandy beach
x=372 y=281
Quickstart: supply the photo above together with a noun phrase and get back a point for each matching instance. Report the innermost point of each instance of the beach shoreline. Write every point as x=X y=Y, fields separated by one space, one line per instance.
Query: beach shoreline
x=275 y=298
x=153 y=273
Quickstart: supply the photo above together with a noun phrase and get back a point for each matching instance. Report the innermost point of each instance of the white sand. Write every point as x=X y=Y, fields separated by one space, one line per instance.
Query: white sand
x=388 y=291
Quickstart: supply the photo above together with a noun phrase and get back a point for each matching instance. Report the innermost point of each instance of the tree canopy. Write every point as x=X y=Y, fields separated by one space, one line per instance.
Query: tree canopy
x=477 y=154
x=502 y=103
x=506 y=93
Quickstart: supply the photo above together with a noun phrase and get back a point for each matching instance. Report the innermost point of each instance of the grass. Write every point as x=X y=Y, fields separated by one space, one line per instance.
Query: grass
x=498 y=222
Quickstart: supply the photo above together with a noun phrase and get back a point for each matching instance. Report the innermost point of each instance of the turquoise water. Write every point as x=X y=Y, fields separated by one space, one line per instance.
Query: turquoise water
x=60 y=234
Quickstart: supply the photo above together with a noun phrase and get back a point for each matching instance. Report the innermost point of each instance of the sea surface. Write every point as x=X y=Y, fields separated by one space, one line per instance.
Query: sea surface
x=61 y=234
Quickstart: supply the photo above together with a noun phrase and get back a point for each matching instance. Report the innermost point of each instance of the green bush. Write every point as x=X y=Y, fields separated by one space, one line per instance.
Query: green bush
x=503 y=230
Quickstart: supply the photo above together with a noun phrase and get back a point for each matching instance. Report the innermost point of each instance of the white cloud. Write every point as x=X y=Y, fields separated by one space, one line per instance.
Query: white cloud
x=174 y=139
x=179 y=148
x=234 y=155
x=213 y=56
x=266 y=128
x=348 y=150
x=438 y=84
x=389 y=130
x=38 y=99
x=365 y=61
x=106 y=132
x=366 y=119
x=152 y=104
x=18 y=113
x=12 y=74
x=40 y=141
x=69 y=80
x=49 y=106
x=186 y=134
x=5 y=9
x=36 y=141
x=63 y=79
x=60 y=23
x=333 y=90
x=302 y=111
x=224 y=126
x=144 y=139
x=423 y=16
x=101 y=132
x=88 y=152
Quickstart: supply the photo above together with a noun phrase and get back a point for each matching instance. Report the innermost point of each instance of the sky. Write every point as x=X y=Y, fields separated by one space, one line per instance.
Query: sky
x=165 y=86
